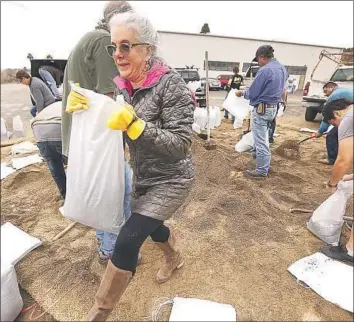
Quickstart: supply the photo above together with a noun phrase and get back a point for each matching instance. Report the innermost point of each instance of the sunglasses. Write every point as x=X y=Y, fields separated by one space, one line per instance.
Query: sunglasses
x=124 y=48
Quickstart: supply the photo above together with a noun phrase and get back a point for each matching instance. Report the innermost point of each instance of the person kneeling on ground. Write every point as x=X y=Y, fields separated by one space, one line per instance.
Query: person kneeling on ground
x=339 y=113
x=40 y=92
x=46 y=128
x=157 y=122
x=333 y=92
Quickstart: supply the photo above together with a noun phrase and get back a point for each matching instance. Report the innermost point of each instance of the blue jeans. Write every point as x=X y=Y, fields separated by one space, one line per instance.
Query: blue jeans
x=50 y=81
x=51 y=153
x=332 y=145
x=260 y=130
x=107 y=239
x=33 y=110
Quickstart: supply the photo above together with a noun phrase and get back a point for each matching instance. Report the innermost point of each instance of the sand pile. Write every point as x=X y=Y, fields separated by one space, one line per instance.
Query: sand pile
x=289 y=149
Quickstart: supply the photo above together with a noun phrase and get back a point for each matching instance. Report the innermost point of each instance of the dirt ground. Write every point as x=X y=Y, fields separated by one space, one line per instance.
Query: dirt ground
x=236 y=235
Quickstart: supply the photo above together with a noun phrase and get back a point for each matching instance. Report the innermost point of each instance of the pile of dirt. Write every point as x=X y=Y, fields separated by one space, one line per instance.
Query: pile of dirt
x=236 y=235
x=289 y=149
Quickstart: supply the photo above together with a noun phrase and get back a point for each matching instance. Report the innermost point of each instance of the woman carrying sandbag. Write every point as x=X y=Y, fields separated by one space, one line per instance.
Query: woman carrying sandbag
x=157 y=122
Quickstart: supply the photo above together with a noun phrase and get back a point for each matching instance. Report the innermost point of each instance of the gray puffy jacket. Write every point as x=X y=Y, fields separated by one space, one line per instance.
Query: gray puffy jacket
x=161 y=160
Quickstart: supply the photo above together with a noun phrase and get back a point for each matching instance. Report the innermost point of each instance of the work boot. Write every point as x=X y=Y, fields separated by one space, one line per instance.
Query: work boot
x=254 y=174
x=338 y=253
x=173 y=260
x=113 y=284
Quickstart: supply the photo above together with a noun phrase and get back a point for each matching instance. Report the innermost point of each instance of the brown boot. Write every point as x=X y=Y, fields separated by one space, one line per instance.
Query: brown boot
x=173 y=260
x=113 y=284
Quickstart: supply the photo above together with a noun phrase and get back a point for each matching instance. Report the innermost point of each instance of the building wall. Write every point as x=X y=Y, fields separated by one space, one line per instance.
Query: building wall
x=180 y=49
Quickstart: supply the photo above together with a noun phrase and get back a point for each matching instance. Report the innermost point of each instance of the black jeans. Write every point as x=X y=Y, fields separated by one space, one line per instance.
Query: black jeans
x=51 y=153
x=132 y=236
x=332 y=145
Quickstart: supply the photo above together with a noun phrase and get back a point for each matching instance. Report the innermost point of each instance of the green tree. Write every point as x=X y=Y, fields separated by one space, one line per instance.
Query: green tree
x=49 y=56
x=29 y=56
x=205 y=29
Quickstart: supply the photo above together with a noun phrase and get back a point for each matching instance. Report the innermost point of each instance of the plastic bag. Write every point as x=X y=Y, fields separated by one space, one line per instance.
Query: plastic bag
x=23 y=147
x=200 y=117
x=11 y=300
x=327 y=220
x=95 y=173
x=193 y=86
x=246 y=143
x=237 y=106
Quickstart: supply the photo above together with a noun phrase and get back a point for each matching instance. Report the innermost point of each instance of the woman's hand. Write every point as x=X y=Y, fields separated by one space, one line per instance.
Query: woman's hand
x=126 y=120
x=76 y=102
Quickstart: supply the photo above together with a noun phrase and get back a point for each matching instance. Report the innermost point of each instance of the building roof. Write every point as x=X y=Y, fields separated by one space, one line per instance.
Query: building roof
x=242 y=38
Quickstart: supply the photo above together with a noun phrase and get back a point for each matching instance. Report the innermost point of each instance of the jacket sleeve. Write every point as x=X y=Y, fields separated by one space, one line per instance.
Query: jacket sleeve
x=38 y=97
x=323 y=127
x=173 y=139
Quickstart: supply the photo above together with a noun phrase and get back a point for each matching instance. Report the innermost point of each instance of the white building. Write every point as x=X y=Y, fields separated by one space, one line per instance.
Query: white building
x=181 y=49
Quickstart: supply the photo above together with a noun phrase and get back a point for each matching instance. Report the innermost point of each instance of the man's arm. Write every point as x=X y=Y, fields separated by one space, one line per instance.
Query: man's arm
x=344 y=160
x=257 y=86
x=38 y=97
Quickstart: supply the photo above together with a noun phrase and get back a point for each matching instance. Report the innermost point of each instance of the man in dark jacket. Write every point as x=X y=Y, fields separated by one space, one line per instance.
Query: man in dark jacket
x=40 y=92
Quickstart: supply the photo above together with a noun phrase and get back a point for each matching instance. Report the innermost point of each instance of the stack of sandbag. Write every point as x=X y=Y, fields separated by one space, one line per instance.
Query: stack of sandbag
x=201 y=118
x=95 y=173
x=15 y=244
x=238 y=107
x=327 y=220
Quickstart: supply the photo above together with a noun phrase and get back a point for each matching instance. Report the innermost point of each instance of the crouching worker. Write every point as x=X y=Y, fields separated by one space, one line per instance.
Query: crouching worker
x=339 y=113
x=46 y=128
x=157 y=122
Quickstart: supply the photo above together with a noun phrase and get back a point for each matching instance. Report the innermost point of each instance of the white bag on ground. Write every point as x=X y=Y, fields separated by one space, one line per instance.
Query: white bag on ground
x=95 y=173
x=327 y=220
x=20 y=163
x=5 y=134
x=11 y=300
x=24 y=147
x=329 y=278
x=185 y=309
x=15 y=244
x=236 y=106
x=6 y=171
x=246 y=143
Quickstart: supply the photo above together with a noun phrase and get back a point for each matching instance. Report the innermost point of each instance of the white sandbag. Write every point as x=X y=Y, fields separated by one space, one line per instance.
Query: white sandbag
x=5 y=134
x=327 y=220
x=218 y=116
x=17 y=126
x=329 y=278
x=201 y=117
x=280 y=110
x=212 y=117
x=193 y=86
x=20 y=163
x=15 y=244
x=6 y=171
x=95 y=173
x=246 y=143
x=190 y=309
x=237 y=106
x=11 y=300
x=24 y=147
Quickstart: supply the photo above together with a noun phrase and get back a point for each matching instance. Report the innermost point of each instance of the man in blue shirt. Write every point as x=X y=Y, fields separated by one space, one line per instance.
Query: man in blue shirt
x=334 y=93
x=264 y=94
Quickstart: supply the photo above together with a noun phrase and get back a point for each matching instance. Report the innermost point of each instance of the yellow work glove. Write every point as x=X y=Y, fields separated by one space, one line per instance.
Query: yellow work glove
x=76 y=102
x=125 y=119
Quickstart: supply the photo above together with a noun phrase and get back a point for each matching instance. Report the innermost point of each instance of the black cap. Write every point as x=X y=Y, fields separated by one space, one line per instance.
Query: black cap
x=265 y=50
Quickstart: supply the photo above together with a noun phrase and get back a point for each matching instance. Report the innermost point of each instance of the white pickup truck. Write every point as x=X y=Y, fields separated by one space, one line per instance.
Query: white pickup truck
x=313 y=97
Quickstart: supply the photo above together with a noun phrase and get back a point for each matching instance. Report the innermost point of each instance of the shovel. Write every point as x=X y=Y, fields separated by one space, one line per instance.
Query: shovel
x=311 y=137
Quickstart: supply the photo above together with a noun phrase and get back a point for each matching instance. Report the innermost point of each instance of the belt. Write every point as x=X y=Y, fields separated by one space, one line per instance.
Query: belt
x=271 y=105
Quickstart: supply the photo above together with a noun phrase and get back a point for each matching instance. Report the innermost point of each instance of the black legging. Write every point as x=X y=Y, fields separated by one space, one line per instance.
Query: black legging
x=131 y=237
x=332 y=145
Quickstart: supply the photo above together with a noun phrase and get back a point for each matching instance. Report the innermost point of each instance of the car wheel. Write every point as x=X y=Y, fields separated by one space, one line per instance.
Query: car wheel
x=310 y=114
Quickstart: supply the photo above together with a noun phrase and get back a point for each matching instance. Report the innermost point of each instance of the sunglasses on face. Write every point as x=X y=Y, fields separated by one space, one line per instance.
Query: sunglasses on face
x=124 y=48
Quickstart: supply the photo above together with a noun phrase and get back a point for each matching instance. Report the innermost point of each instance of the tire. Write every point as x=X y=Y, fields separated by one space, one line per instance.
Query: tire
x=310 y=114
